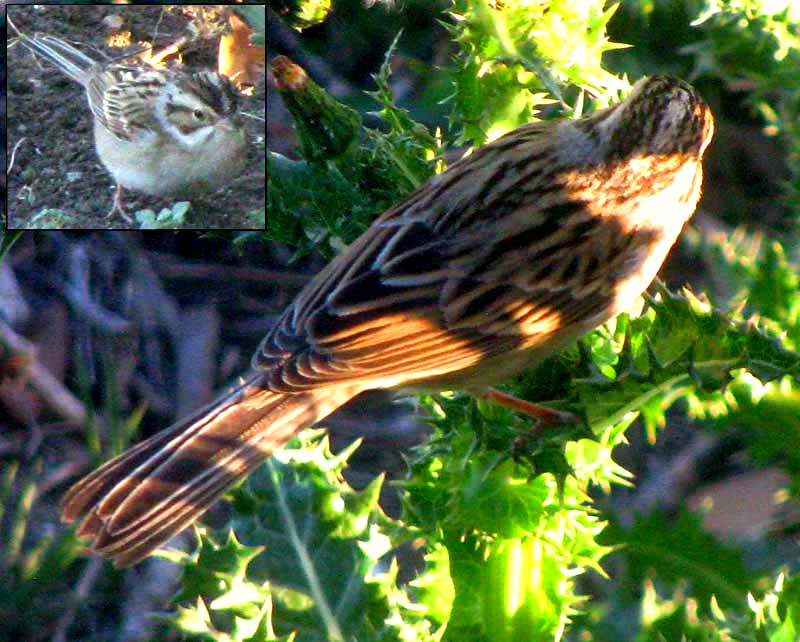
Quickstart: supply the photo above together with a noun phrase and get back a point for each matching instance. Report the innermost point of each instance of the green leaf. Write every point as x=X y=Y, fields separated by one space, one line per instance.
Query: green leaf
x=308 y=562
x=7 y=239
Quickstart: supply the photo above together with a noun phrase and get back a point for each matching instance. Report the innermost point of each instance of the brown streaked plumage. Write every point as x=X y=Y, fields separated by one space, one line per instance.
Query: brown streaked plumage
x=529 y=242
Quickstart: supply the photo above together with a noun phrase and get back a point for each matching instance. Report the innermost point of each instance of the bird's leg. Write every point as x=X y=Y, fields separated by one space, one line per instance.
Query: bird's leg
x=544 y=415
x=118 y=206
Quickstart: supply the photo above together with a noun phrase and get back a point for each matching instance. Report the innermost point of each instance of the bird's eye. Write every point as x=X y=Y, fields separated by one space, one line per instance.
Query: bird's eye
x=199 y=114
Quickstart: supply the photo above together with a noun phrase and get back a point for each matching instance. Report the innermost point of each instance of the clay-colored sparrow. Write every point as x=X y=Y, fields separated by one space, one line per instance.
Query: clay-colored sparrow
x=533 y=240
x=160 y=132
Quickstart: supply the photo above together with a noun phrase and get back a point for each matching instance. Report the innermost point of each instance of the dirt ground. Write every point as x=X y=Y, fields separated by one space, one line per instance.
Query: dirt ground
x=55 y=165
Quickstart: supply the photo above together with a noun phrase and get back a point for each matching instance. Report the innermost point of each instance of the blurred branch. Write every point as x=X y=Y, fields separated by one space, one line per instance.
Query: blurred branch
x=50 y=389
x=167 y=265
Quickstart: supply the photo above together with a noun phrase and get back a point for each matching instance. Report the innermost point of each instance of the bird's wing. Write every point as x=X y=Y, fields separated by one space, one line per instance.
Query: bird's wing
x=451 y=276
x=122 y=99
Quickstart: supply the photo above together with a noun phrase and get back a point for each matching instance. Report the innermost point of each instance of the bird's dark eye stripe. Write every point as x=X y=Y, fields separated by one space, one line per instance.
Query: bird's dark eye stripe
x=190 y=120
x=171 y=108
x=186 y=119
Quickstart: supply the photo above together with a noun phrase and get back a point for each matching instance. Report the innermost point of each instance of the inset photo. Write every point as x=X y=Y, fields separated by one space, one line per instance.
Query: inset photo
x=136 y=117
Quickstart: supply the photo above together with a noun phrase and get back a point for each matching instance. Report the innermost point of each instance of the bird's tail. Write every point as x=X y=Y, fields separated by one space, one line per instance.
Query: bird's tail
x=63 y=55
x=134 y=503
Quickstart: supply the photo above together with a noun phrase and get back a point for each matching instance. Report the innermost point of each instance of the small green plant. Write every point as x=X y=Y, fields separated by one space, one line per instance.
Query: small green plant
x=167 y=218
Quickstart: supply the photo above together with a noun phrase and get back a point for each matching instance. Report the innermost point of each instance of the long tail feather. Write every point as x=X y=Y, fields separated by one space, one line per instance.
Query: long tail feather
x=139 y=500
